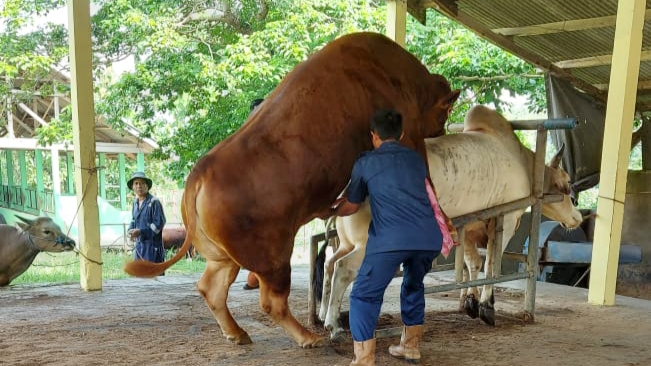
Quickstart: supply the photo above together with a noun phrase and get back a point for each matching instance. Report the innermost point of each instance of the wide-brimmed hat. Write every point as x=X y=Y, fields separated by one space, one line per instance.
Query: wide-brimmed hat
x=139 y=175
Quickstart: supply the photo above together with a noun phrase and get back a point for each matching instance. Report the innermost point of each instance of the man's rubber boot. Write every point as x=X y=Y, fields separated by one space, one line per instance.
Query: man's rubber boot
x=409 y=343
x=364 y=353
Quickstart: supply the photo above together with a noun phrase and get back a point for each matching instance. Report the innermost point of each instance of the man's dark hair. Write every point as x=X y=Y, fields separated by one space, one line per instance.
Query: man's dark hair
x=255 y=103
x=387 y=124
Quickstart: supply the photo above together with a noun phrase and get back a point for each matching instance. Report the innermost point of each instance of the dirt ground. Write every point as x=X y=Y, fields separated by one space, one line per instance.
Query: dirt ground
x=165 y=322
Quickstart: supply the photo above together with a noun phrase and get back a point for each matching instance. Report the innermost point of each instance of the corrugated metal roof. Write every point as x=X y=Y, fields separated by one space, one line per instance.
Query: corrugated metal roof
x=572 y=39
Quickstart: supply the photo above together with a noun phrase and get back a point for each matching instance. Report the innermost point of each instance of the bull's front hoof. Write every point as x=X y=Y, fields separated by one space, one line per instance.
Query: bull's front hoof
x=487 y=314
x=240 y=339
x=314 y=342
x=471 y=306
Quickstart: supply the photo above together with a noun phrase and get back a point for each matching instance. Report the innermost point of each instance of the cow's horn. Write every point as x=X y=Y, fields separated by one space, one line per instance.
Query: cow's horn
x=27 y=221
x=556 y=160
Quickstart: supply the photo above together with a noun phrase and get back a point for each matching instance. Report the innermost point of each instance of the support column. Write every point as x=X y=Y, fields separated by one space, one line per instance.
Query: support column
x=83 y=123
x=616 y=146
x=397 y=20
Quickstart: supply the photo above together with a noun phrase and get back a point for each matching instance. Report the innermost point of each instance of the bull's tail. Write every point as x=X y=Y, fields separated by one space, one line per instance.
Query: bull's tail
x=141 y=268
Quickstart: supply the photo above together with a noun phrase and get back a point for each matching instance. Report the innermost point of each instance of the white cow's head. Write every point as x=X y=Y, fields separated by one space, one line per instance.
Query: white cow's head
x=557 y=181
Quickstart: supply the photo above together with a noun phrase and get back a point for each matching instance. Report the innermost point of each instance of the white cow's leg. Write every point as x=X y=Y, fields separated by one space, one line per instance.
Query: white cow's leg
x=464 y=291
x=475 y=235
x=345 y=272
x=487 y=301
x=342 y=250
x=486 y=308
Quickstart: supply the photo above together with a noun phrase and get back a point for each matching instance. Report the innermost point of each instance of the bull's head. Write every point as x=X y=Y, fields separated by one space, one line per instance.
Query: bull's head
x=46 y=235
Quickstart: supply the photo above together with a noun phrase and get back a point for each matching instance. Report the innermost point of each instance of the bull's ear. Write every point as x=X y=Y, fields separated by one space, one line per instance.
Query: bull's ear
x=27 y=221
x=556 y=160
x=23 y=226
x=454 y=96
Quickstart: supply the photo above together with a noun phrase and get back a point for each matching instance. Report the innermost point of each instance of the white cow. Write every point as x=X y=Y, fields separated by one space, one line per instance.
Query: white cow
x=482 y=167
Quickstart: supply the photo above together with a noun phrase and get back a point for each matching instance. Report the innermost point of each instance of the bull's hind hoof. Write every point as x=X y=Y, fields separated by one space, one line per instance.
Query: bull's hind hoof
x=487 y=314
x=240 y=339
x=471 y=306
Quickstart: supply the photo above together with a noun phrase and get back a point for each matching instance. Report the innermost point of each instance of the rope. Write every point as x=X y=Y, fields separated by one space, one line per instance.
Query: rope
x=93 y=173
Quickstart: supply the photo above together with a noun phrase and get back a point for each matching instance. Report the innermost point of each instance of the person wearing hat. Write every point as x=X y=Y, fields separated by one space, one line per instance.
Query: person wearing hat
x=148 y=220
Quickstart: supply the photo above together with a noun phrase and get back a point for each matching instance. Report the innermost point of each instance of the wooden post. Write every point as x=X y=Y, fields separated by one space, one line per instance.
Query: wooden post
x=397 y=21
x=83 y=124
x=620 y=110
x=534 y=229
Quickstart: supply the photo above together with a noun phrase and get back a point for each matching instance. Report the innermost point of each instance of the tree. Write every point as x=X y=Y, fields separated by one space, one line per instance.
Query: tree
x=198 y=64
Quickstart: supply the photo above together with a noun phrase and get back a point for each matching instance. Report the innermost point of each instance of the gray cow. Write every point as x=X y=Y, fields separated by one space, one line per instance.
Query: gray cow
x=19 y=247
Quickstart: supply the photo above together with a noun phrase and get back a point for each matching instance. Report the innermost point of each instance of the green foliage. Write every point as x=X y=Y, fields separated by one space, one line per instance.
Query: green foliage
x=30 y=48
x=480 y=69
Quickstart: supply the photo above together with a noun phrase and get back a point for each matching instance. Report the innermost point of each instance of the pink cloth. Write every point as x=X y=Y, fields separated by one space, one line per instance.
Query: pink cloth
x=442 y=220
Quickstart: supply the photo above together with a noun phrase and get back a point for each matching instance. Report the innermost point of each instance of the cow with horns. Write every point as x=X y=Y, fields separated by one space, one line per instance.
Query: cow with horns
x=245 y=200
x=20 y=246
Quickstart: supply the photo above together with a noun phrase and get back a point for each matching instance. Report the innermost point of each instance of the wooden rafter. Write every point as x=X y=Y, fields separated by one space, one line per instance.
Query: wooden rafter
x=564 y=26
x=595 y=61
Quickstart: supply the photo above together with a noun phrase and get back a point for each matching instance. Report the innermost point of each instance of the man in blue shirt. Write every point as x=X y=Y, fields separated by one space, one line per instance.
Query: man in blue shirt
x=403 y=230
x=148 y=220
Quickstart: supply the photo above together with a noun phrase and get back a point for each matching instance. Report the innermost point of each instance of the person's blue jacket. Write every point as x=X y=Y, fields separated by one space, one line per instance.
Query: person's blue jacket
x=150 y=219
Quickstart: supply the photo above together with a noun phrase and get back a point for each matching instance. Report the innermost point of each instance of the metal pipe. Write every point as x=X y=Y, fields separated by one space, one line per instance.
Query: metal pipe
x=531 y=124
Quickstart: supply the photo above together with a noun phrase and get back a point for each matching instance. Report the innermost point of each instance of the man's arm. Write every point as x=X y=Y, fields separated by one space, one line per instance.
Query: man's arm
x=343 y=207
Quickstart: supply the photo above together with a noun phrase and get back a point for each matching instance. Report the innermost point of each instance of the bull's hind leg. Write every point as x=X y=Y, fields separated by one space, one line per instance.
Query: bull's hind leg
x=217 y=278
x=274 y=291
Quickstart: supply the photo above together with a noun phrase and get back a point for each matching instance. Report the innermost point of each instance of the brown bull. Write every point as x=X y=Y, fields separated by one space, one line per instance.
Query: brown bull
x=246 y=198
x=19 y=248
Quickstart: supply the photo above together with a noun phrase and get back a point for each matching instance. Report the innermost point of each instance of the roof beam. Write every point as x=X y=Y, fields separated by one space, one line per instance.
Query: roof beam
x=564 y=26
x=641 y=85
x=595 y=61
x=33 y=114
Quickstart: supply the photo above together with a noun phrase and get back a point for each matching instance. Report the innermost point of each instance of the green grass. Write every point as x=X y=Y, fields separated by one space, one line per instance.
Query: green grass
x=64 y=268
